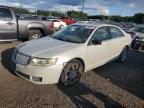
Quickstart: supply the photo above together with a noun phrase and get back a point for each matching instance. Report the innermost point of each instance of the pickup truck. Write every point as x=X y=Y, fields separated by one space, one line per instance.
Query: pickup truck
x=67 y=20
x=12 y=29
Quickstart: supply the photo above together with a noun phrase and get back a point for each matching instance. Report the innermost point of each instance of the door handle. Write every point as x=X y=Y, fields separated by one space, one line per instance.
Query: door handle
x=10 y=23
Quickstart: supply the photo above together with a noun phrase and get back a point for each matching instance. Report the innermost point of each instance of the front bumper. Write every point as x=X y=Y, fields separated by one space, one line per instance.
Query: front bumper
x=40 y=74
x=138 y=44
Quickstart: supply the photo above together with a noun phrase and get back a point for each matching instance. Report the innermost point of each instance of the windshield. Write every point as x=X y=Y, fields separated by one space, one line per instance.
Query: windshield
x=137 y=29
x=74 y=33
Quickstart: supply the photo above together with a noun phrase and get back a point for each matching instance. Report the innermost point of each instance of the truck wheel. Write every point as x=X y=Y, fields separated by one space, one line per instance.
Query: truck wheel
x=71 y=73
x=34 y=34
x=124 y=54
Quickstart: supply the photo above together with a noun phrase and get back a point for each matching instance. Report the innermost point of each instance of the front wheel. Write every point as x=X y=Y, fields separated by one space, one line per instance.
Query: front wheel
x=34 y=34
x=71 y=73
x=124 y=54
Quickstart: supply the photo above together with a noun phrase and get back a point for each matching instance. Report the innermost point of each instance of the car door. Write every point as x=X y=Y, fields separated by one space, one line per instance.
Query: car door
x=98 y=54
x=8 y=26
x=117 y=42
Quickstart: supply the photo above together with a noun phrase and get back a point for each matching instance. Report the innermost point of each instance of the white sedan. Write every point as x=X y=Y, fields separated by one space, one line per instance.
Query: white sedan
x=65 y=56
x=58 y=24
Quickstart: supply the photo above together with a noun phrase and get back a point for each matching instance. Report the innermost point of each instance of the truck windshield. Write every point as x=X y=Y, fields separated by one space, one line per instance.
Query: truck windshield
x=74 y=33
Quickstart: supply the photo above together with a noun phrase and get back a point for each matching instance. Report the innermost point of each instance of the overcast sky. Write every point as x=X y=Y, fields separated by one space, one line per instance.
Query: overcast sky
x=92 y=7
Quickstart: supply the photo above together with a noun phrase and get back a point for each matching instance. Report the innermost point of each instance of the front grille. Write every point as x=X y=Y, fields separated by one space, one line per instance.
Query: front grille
x=22 y=59
x=23 y=75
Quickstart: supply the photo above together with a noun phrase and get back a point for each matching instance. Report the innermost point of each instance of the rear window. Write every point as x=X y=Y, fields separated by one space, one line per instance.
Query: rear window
x=55 y=20
x=139 y=29
x=31 y=18
x=5 y=14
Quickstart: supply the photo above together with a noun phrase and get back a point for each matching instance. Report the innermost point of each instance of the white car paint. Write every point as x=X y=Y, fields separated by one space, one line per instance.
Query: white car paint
x=92 y=55
x=58 y=23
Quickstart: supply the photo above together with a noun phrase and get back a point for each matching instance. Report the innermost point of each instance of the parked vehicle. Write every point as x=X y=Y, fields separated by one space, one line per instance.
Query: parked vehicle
x=12 y=28
x=67 y=20
x=138 y=37
x=69 y=53
x=58 y=24
x=137 y=31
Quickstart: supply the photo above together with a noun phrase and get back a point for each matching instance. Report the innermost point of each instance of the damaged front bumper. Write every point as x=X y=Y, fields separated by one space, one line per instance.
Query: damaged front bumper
x=138 y=43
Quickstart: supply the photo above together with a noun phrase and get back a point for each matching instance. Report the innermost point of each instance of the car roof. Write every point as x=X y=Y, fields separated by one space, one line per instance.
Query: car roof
x=1 y=6
x=141 y=26
x=94 y=23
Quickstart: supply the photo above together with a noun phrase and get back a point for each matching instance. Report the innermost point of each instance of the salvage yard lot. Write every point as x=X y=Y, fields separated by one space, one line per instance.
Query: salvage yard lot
x=114 y=85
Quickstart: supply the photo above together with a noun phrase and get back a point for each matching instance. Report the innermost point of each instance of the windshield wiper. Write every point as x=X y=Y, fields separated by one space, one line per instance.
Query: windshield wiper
x=66 y=40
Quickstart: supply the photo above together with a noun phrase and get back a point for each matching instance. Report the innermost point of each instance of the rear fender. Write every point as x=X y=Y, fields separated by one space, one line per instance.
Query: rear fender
x=36 y=25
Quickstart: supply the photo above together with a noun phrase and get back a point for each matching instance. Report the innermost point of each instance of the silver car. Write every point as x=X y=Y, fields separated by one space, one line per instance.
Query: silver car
x=138 y=37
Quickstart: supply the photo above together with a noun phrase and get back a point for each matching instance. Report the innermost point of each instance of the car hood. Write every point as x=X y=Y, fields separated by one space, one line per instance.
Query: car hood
x=45 y=47
x=138 y=33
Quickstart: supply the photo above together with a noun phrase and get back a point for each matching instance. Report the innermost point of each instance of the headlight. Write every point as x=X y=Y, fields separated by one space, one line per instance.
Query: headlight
x=43 y=62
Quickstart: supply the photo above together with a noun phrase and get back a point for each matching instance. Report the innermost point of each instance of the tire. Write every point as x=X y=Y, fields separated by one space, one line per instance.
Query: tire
x=61 y=26
x=71 y=73
x=34 y=34
x=124 y=54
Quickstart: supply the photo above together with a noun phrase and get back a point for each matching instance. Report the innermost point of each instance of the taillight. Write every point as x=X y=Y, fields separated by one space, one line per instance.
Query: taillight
x=51 y=26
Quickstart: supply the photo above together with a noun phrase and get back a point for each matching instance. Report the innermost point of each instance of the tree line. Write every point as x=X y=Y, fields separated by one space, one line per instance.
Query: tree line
x=74 y=14
x=137 y=18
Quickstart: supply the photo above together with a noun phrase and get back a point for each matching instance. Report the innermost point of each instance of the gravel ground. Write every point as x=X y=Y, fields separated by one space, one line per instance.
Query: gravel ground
x=114 y=85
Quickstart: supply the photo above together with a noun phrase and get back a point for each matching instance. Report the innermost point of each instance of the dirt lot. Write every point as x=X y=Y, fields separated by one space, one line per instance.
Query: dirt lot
x=114 y=85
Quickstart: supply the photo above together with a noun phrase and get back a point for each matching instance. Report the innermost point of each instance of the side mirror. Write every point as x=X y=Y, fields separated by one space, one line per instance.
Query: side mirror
x=96 y=42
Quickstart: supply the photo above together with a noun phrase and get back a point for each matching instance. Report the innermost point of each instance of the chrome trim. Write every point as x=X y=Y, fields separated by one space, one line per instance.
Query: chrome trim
x=8 y=40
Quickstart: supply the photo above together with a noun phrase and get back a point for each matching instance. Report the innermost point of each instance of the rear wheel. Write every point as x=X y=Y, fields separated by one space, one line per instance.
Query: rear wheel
x=61 y=27
x=124 y=54
x=34 y=34
x=71 y=73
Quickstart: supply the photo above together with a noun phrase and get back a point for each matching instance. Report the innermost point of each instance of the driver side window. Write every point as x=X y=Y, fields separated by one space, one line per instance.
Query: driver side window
x=101 y=34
